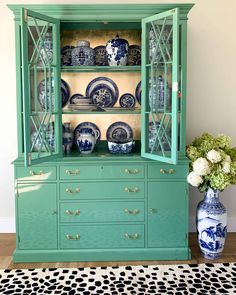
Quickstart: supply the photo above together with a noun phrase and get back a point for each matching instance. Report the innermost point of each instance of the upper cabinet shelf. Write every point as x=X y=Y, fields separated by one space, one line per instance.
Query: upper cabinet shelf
x=100 y=69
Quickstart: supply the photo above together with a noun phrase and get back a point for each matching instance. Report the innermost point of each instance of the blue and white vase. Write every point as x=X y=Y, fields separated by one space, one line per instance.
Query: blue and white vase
x=68 y=138
x=211 y=225
x=117 y=51
x=49 y=134
x=83 y=54
x=86 y=139
x=46 y=52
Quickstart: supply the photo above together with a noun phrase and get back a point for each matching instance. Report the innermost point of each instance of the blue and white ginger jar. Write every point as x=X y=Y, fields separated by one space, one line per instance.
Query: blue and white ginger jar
x=83 y=54
x=211 y=225
x=46 y=52
x=117 y=51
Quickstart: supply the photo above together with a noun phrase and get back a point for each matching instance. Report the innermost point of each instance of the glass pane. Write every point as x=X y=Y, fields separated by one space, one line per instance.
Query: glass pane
x=42 y=91
x=159 y=76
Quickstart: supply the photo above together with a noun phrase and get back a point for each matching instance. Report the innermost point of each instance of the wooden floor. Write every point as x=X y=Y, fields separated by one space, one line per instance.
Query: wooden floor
x=7 y=245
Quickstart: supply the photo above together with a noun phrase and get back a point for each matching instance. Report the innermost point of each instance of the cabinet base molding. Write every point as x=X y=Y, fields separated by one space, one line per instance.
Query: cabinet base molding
x=101 y=255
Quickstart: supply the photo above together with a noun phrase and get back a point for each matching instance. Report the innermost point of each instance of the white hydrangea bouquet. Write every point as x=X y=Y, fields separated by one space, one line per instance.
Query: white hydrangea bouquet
x=213 y=162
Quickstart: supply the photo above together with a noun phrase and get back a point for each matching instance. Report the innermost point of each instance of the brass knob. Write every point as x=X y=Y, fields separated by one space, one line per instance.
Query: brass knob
x=131 y=190
x=132 y=236
x=32 y=173
x=76 y=191
x=131 y=212
x=170 y=171
x=76 y=172
x=70 y=237
x=76 y=212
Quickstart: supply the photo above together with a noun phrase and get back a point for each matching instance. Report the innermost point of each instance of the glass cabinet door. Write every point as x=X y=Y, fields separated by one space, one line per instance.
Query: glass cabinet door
x=160 y=37
x=41 y=87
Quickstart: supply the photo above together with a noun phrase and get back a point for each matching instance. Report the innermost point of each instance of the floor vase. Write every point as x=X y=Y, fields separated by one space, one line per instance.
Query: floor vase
x=211 y=225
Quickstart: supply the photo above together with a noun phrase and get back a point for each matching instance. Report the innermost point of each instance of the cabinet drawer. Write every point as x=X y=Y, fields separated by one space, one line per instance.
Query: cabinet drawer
x=99 y=190
x=101 y=171
x=167 y=171
x=102 y=236
x=35 y=173
x=101 y=211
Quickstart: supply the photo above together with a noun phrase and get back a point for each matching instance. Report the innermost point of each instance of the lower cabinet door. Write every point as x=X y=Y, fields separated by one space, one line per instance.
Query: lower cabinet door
x=37 y=216
x=167 y=211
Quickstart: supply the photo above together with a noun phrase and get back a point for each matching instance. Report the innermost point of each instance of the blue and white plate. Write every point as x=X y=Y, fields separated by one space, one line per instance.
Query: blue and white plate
x=103 y=96
x=119 y=132
x=101 y=56
x=66 y=55
x=65 y=94
x=105 y=81
x=134 y=57
x=88 y=124
x=127 y=101
x=138 y=92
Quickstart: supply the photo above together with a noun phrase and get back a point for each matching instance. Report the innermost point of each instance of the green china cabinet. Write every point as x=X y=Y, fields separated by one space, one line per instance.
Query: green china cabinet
x=101 y=206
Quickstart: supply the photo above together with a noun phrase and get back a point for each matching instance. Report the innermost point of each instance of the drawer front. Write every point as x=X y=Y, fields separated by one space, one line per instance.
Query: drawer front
x=101 y=171
x=101 y=211
x=36 y=173
x=167 y=171
x=99 y=190
x=102 y=236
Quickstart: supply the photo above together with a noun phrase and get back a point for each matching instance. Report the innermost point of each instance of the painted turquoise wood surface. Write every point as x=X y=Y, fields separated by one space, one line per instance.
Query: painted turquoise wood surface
x=102 y=236
x=102 y=12
x=95 y=212
x=29 y=89
x=37 y=216
x=102 y=190
x=167 y=214
x=105 y=254
x=36 y=173
x=107 y=232
x=130 y=171
x=171 y=18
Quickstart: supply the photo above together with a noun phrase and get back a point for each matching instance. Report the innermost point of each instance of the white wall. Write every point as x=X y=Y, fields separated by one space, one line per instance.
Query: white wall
x=211 y=100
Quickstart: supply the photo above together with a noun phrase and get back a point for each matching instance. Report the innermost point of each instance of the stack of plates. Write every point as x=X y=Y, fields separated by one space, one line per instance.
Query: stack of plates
x=79 y=102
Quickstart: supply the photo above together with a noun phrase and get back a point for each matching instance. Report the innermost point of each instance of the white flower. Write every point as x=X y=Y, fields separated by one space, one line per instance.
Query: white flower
x=226 y=167
x=194 y=179
x=227 y=159
x=201 y=167
x=214 y=156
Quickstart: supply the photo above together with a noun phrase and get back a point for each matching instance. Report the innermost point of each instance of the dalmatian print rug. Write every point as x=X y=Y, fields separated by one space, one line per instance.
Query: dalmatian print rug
x=123 y=280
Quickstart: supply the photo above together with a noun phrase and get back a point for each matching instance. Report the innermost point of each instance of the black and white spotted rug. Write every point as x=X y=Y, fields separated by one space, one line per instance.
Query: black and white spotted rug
x=123 y=280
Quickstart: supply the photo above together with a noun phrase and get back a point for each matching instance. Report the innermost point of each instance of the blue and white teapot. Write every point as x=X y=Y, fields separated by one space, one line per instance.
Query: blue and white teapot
x=86 y=138
x=117 y=51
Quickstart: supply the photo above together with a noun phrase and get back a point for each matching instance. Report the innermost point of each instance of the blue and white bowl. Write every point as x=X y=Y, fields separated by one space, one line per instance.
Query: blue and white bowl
x=121 y=148
x=117 y=51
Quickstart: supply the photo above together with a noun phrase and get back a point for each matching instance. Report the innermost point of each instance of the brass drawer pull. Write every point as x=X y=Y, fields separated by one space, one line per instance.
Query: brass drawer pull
x=170 y=171
x=76 y=191
x=71 y=238
x=32 y=173
x=131 y=190
x=134 y=171
x=131 y=212
x=76 y=172
x=69 y=212
x=132 y=237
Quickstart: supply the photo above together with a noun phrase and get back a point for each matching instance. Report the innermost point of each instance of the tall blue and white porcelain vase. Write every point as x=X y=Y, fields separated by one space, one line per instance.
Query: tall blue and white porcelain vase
x=211 y=225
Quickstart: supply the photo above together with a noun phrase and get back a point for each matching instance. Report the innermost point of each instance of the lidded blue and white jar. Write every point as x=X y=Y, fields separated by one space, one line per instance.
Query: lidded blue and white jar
x=83 y=54
x=47 y=50
x=117 y=51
